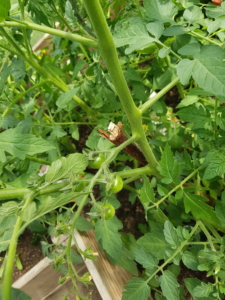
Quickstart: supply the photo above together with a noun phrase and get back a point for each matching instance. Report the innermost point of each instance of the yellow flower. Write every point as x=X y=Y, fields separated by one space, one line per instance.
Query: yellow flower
x=145 y=127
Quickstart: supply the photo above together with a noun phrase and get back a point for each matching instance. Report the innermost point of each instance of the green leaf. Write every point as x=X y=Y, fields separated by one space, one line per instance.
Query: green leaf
x=136 y=288
x=193 y=14
x=146 y=192
x=145 y=258
x=126 y=261
x=18 y=144
x=69 y=13
x=6 y=236
x=74 y=131
x=191 y=284
x=168 y=168
x=29 y=212
x=134 y=34
x=63 y=100
x=198 y=115
x=174 y=30
x=170 y=234
x=213 y=26
x=83 y=225
x=76 y=258
x=7 y=223
x=155 y=28
x=220 y=212
x=207 y=69
x=204 y=134
x=190 y=49
x=199 y=209
x=4 y=9
x=49 y=204
x=187 y=163
x=184 y=70
x=18 y=69
x=154 y=243
x=215 y=162
x=7 y=209
x=107 y=233
x=62 y=167
x=16 y=294
x=163 y=52
x=190 y=261
x=169 y=286
x=163 y=11
x=8 y=121
x=202 y=290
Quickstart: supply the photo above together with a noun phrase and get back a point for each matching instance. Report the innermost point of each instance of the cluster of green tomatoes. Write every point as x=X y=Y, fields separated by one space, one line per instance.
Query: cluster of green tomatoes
x=106 y=209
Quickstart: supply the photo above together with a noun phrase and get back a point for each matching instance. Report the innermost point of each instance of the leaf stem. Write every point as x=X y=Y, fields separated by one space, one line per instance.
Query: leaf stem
x=207 y=234
x=67 y=35
x=183 y=244
x=174 y=189
x=205 y=38
x=152 y=100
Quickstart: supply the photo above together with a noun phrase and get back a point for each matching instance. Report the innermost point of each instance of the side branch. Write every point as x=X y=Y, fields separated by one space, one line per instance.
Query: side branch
x=67 y=35
x=152 y=100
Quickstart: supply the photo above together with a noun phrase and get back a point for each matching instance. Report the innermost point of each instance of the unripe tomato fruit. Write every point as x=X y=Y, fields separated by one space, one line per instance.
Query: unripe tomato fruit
x=110 y=211
x=117 y=185
x=97 y=161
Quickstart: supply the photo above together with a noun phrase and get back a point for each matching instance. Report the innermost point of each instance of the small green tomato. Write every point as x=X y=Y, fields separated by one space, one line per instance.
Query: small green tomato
x=117 y=185
x=110 y=211
x=97 y=161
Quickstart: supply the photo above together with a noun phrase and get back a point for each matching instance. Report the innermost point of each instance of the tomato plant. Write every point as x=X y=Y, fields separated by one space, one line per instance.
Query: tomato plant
x=142 y=81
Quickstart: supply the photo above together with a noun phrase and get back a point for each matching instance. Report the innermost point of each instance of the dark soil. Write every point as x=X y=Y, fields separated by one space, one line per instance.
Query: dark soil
x=28 y=254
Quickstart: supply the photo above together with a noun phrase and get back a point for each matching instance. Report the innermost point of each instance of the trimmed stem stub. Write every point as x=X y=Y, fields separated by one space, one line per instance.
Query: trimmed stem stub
x=118 y=137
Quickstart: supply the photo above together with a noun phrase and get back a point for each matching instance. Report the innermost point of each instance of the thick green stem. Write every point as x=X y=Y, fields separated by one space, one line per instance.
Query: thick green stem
x=7 y=194
x=139 y=171
x=53 y=31
x=108 y=51
x=21 y=95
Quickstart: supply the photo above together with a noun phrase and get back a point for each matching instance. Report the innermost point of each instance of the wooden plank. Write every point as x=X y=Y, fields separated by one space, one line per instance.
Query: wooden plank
x=108 y=279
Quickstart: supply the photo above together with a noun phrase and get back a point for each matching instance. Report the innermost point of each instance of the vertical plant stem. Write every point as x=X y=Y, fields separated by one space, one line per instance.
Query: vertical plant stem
x=6 y=290
x=109 y=54
x=24 y=30
x=180 y=90
x=215 y=119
